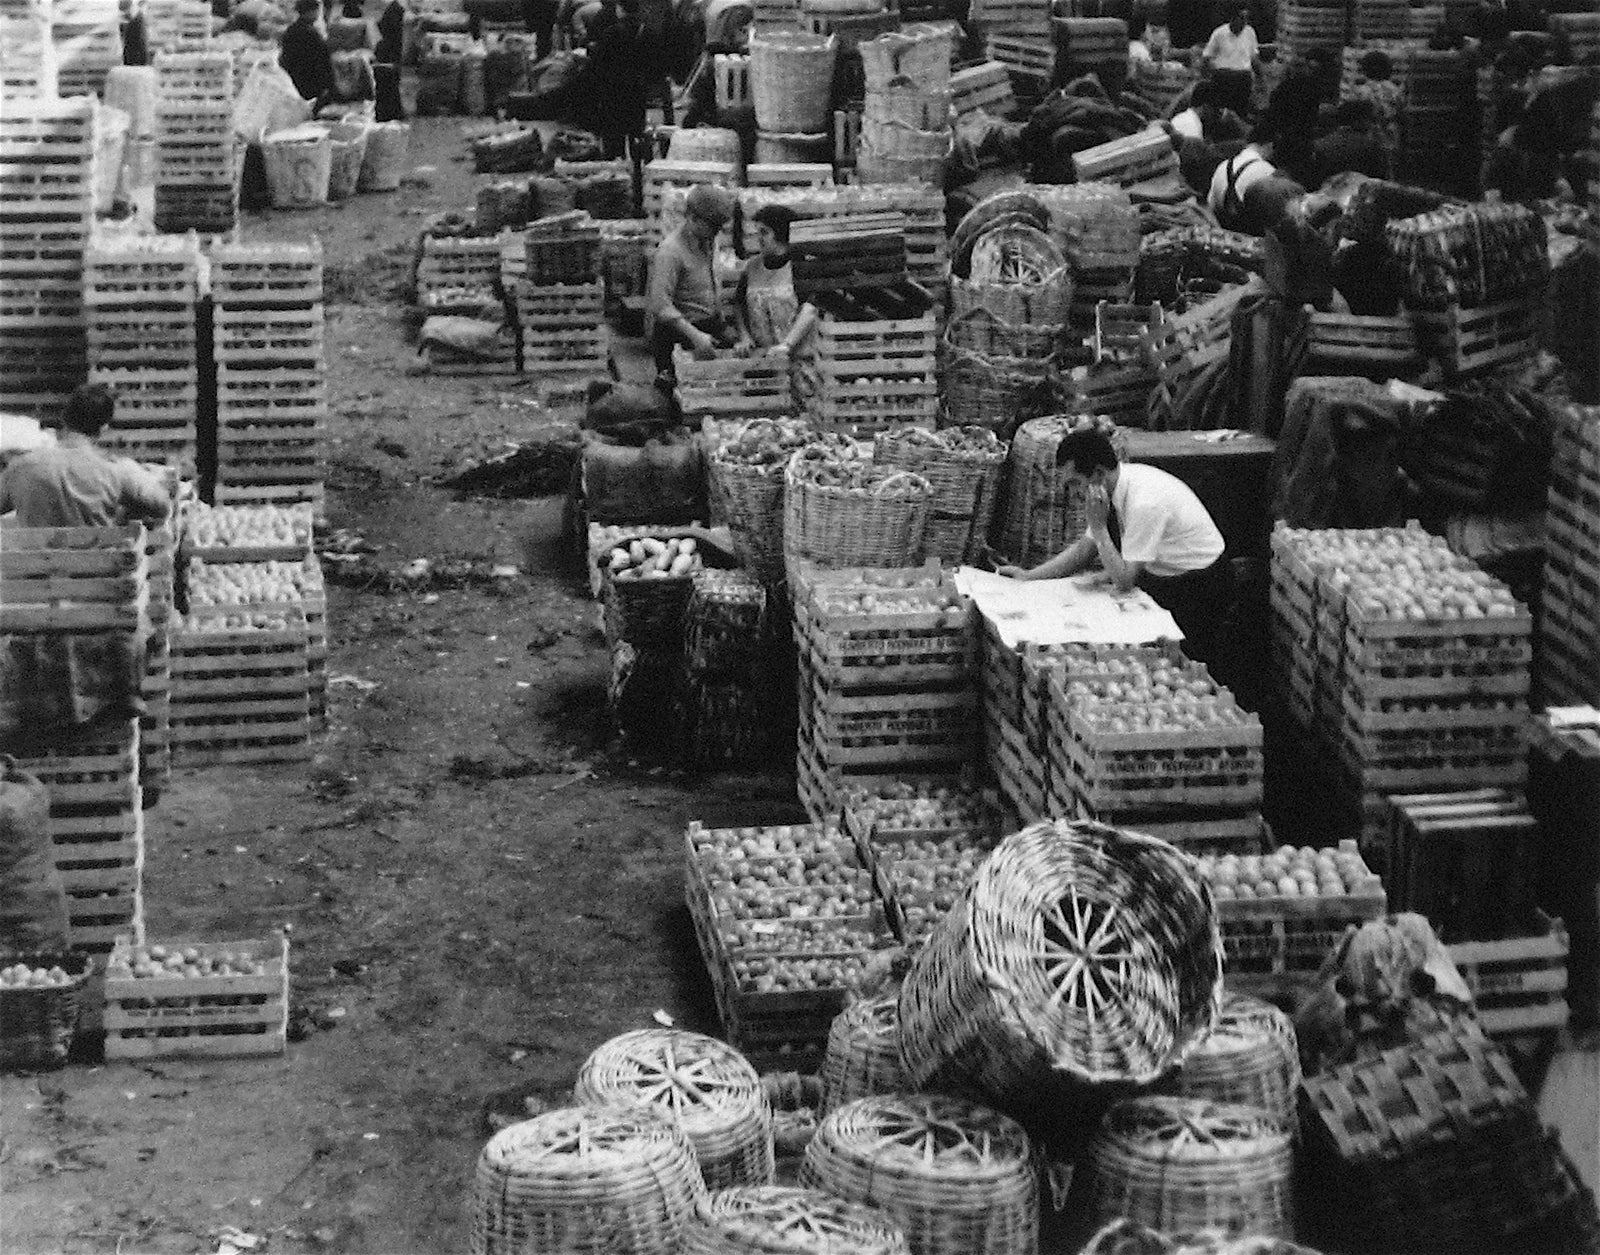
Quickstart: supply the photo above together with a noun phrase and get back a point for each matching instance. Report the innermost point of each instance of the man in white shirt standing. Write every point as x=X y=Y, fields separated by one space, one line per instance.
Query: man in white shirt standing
x=1146 y=529
x=1232 y=58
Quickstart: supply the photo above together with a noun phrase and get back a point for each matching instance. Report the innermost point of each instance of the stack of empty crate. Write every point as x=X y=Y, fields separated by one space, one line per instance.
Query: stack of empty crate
x=1307 y=24
x=140 y=294
x=27 y=55
x=47 y=182
x=78 y=585
x=155 y=723
x=1017 y=35
x=272 y=400
x=561 y=300
x=887 y=682
x=1092 y=45
x=197 y=169
x=1569 y=622
x=177 y=25
x=87 y=35
x=1439 y=123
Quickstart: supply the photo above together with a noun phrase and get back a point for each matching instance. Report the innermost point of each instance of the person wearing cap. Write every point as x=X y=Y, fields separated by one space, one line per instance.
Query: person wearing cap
x=684 y=305
x=766 y=311
x=304 y=55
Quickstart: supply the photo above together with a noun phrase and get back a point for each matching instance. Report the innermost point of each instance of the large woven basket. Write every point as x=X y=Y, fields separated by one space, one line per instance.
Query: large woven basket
x=980 y=331
x=1250 y=1058
x=791 y=80
x=963 y=464
x=37 y=1023
x=998 y=393
x=703 y=1084
x=781 y=1220
x=751 y=496
x=1184 y=1165
x=1015 y=253
x=706 y=143
x=646 y=612
x=863 y=1056
x=918 y=54
x=1046 y=302
x=883 y=526
x=1079 y=954
x=1042 y=514
x=618 y=1179
x=958 y=1178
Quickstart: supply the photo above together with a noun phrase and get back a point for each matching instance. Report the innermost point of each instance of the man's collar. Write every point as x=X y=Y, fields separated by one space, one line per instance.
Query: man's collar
x=74 y=439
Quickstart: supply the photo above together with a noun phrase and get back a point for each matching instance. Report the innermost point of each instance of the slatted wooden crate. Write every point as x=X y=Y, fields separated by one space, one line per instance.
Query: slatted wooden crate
x=1518 y=983
x=664 y=176
x=193 y=1016
x=43 y=249
x=63 y=579
x=250 y=338
x=1029 y=59
x=1380 y=345
x=240 y=694
x=734 y=387
x=985 y=86
x=732 y=79
x=1162 y=83
x=1021 y=17
x=1470 y=340
x=1569 y=620
x=266 y=276
x=1133 y=159
x=1577 y=33
x=802 y=174
x=874 y=374
x=86 y=51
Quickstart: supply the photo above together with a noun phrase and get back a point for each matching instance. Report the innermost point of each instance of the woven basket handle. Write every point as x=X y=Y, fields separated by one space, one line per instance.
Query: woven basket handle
x=889 y=484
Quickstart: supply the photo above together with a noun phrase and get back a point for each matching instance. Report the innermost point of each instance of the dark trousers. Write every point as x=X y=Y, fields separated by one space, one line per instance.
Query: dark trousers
x=665 y=338
x=1199 y=601
x=388 y=106
x=1233 y=88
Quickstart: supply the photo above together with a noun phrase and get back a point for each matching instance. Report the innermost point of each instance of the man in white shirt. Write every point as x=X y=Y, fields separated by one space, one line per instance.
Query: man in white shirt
x=1146 y=529
x=1249 y=194
x=1232 y=58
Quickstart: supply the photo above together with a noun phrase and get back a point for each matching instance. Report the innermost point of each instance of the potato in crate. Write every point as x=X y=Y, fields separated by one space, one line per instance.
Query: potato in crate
x=207 y=999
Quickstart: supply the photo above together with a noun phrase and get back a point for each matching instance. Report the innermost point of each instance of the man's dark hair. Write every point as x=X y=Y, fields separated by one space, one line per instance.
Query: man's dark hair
x=777 y=219
x=89 y=408
x=1087 y=451
x=1376 y=65
x=1357 y=114
x=1203 y=93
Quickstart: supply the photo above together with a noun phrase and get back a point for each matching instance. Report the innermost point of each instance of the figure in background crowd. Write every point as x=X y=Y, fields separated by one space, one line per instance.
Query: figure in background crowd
x=75 y=483
x=390 y=51
x=1379 y=88
x=305 y=57
x=684 y=306
x=1354 y=145
x=1248 y=193
x=1232 y=58
x=1207 y=118
x=618 y=57
x=1146 y=529
x=1548 y=141
x=767 y=313
x=1289 y=121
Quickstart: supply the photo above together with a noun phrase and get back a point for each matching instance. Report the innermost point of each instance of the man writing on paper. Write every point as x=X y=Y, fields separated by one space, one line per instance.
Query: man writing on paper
x=1146 y=529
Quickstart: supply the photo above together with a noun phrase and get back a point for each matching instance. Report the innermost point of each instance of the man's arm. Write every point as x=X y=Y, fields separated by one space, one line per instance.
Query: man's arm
x=1208 y=54
x=664 y=276
x=143 y=498
x=1078 y=556
x=1124 y=574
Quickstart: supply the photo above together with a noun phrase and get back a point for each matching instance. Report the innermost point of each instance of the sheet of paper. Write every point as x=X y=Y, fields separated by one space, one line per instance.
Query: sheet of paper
x=1083 y=609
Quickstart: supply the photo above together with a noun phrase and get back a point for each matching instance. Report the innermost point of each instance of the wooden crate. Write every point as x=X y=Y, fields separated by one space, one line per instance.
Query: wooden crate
x=261 y=338
x=72 y=578
x=278 y=396
x=211 y=209
x=784 y=174
x=47 y=249
x=240 y=695
x=731 y=73
x=204 y=1017
x=742 y=387
x=1382 y=345
x=1469 y=340
x=1518 y=984
x=985 y=86
x=266 y=276
x=1029 y=57
x=1133 y=159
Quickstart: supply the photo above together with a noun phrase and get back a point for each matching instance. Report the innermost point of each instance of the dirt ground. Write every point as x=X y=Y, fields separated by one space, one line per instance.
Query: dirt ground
x=479 y=889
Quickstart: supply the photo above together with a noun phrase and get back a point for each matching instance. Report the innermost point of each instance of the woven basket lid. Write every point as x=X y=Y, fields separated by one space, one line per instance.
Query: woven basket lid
x=581 y=1177
x=706 y=1086
x=781 y=1220
x=920 y=1138
x=1171 y=1130
x=1015 y=253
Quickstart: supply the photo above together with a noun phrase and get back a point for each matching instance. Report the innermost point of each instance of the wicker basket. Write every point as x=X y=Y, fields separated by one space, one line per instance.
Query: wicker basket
x=1042 y=514
x=37 y=1024
x=963 y=465
x=863 y=1056
x=704 y=1084
x=618 y=1179
x=918 y=54
x=1079 y=954
x=1432 y=1146
x=998 y=393
x=752 y=499
x=646 y=612
x=778 y=1220
x=1249 y=1058
x=1047 y=302
x=979 y=330
x=958 y=1178
x=707 y=143
x=791 y=80
x=881 y=526
x=1184 y=1165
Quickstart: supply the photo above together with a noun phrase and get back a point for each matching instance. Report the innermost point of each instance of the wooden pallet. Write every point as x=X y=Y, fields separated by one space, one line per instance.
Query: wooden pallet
x=1471 y=340
x=789 y=174
x=208 y=209
x=259 y=338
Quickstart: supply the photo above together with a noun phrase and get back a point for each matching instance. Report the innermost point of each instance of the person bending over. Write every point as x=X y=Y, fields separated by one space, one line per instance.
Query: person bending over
x=75 y=483
x=684 y=305
x=1248 y=193
x=1146 y=529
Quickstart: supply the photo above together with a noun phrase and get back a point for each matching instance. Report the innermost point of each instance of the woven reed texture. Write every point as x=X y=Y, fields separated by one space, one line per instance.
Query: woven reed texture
x=647 y=612
x=1042 y=516
x=1046 y=301
x=963 y=466
x=883 y=525
x=781 y=1220
x=996 y=392
x=37 y=1024
x=1250 y=1058
x=614 y=1180
x=724 y=625
x=918 y=54
x=958 y=1178
x=752 y=491
x=1434 y=1145
x=863 y=1055
x=791 y=79
x=1079 y=953
x=1183 y=1165
x=706 y=1086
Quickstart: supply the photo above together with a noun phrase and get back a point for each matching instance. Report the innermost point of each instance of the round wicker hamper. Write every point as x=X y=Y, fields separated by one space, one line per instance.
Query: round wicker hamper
x=1250 y=1058
x=1183 y=1165
x=875 y=520
x=618 y=1179
x=705 y=1085
x=958 y=1178
x=779 y=1220
x=791 y=80
x=1079 y=954
x=863 y=1055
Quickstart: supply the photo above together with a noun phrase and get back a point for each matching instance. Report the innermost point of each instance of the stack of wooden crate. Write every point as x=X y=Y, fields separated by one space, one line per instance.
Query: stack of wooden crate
x=561 y=327
x=731 y=387
x=155 y=724
x=47 y=180
x=272 y=402
x=1092 y=45
x=87 y=35
x=1307 y=24
x=920 y=209
x=241 y=686
x=140 y=294
x=1440 y=141
x=177 y=25
x=663 y=175
x=27 y=56
x=985 y=86
x=875 y=363
x=197 y=169
x=1569 y=618
x=86 y=583
x=1372 y=20
x=458 y=273
x=887 y=680
x=1180 y=349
